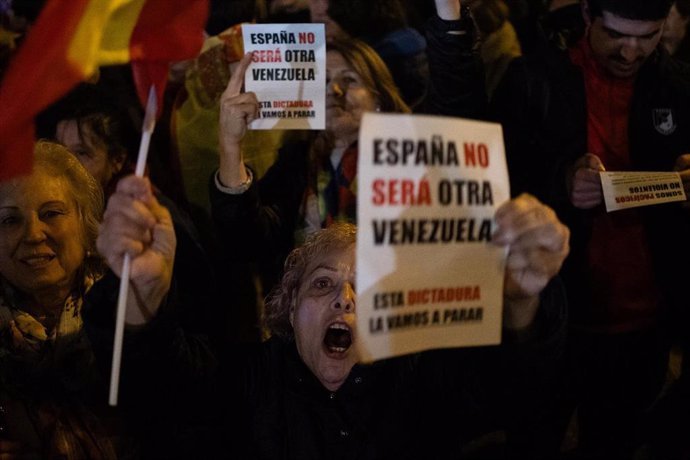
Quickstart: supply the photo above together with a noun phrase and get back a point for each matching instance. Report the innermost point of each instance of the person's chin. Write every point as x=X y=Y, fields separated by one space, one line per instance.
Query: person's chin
x=334 y=374
x=619 y=70
x=341 y=128
x=47 y=280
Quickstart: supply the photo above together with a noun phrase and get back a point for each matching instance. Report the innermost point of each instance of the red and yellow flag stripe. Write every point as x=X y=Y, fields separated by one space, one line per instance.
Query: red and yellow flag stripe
x=71 y=39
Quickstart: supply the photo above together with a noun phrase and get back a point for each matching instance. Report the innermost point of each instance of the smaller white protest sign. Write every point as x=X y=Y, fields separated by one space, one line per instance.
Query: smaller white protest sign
x=428 y=275
x=626 y=189
x=288 y=74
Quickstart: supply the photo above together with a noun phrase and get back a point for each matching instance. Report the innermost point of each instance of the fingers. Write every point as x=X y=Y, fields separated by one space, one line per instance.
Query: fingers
x=125 y=208
x=590 y=161
x=522 y=215
x=548 y=238
x=535 y=259
x=237 y=109
x=243 y=106
x=683 y=166
x=586 y=191
x=236 y=112
x=233 y=100
x=139 y=187
x=539 y=243
x=234 y=87
x=587 y=179
x=683 y=162
x=164 y=240
x=538 y=240
x=128 y=222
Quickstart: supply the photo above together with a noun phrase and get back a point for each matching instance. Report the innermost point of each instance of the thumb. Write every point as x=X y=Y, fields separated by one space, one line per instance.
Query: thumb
x=683 y=162
x=593 y=162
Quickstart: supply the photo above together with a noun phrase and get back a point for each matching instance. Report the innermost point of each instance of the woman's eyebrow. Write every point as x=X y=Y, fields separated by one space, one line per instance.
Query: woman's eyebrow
x=54 y=202
x=325 y=267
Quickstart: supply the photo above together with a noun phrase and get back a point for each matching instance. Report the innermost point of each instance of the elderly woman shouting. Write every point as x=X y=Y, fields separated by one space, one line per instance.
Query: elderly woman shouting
x=303 y=394
x=57 y=303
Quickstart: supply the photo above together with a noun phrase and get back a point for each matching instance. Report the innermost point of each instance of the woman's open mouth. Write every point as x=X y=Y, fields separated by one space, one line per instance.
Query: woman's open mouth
x=338 y=338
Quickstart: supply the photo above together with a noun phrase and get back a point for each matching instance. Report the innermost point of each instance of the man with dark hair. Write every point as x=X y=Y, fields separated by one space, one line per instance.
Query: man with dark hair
x=615 y=100
x=638 y=9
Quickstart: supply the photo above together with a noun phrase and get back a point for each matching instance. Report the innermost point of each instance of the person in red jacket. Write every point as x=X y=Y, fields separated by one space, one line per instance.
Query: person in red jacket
x=612 y=101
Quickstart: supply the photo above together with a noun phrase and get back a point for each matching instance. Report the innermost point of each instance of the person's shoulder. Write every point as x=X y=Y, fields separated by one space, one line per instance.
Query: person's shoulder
x=678 y=68
x=531 y=72
x=544 y=59
x=665 y=74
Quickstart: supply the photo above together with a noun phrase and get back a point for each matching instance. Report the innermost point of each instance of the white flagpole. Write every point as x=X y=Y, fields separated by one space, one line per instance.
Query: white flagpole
x=147 y=129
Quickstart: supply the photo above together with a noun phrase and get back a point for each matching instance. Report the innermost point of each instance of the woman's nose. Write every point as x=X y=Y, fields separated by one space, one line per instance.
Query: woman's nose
x=336 y=89
x=347 y=298
x=34 y=232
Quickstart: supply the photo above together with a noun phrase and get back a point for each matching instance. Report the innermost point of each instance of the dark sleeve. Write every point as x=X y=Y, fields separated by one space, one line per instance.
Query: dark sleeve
x=530 y=362
x=159 y=353
x=457 y=86
x=261 y=221
x=510 y=387
x=167 y=377
x=510 y=106
x=540 y=105
x=530 y=377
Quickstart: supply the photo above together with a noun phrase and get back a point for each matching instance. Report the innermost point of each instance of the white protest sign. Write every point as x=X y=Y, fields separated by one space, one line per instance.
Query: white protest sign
x=427 y=273
x=288 y=74
x=626 y=189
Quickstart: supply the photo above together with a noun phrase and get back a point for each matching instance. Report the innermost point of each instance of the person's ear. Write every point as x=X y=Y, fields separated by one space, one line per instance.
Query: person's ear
x=292 y=312
x=117 y=161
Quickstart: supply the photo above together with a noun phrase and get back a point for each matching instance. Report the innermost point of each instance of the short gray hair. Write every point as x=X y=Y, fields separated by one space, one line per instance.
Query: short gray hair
x=276 y=317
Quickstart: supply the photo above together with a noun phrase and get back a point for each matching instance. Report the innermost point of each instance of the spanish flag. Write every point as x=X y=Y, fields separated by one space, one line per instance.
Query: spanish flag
x=71 y=39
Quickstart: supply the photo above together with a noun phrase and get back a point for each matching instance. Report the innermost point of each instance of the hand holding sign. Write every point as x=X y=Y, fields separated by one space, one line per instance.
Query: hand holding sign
x=538 y=246
x=585 y=191
x=237 y=110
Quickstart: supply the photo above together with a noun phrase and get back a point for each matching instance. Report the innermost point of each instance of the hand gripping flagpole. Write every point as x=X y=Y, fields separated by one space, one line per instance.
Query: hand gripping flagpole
x=147 y=130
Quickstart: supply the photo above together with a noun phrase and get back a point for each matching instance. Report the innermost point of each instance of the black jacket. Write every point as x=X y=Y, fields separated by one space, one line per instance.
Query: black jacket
x=541 y=104
x=163 y=370
x=259 y=225
x=456 y=86
x=425 y=405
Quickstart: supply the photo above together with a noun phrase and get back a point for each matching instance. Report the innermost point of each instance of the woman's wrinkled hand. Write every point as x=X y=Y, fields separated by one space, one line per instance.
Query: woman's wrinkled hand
x=538 y=244
x=135 y=223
